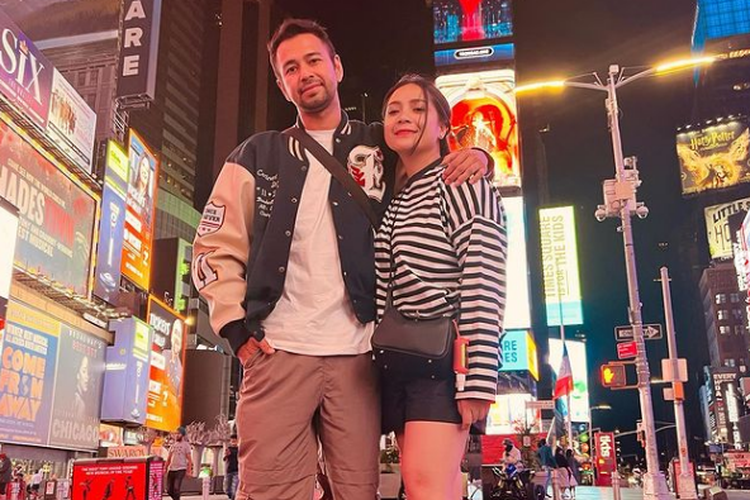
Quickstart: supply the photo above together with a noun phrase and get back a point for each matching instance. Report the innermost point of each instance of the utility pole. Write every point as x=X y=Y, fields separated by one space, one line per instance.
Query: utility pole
x=685 y=479
x=620 y=201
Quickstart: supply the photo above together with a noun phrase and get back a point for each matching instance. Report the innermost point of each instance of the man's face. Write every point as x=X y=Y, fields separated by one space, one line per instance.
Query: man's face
x=307 y=74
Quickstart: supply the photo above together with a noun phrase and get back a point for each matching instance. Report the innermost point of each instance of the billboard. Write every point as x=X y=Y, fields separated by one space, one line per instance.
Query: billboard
x=562 y=284
x=126 y=378
x=140 y=212
x=519 y=352
x=72 y=123
x=112 y=224
x=507 y=411
x=471 y=20
x=8 y=234
x=25 y=74
x=50 y=381
x=56 y=214
x=718 y=232
x=495 y=53
x=78 y=391
x=606 y=454
x=167 y=366
x=139 y=47
x=714 y=157
x=579 y=398
x=27 y=375
x=125 y=480
x=484 y=115
x=517 y=304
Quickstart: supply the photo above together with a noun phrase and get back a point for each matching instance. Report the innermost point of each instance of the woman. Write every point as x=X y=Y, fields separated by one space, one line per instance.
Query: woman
x=444 y=246
x=563 y=471
x=574 y=469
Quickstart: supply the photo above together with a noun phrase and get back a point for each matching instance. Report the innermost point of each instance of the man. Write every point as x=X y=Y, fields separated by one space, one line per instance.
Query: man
x=231 y=478
x=284 y=256
x=512 y=455
x=6 y=475
x=547 y=461
x=179 y=463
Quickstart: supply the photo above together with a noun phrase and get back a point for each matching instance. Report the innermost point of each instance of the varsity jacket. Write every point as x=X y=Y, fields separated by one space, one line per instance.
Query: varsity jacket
x=241 y=248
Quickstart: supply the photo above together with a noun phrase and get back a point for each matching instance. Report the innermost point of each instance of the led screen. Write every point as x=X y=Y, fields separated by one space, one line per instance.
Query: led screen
x=470 y=20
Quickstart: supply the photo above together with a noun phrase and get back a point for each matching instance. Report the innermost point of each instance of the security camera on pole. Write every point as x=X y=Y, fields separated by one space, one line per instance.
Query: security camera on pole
x=620 y=202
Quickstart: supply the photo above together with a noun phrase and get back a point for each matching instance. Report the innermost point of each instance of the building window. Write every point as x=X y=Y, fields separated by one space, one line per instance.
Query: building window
x=737 y=314
x=81 y=79
x=729 y=362
x=738 y=329
x=721 y=298
x=722 y=314
x=724 y=330
x=94 y=77
x=734 y=298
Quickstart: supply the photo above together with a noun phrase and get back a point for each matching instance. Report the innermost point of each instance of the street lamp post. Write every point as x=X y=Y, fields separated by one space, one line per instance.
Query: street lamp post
x=620 y=202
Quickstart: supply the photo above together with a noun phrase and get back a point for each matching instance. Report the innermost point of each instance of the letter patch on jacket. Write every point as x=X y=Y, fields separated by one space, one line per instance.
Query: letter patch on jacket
x=365 y=164
x=203 y=273
x=212 y=220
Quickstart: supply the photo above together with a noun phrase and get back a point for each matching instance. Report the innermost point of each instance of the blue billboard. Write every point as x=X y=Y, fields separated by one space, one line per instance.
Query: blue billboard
x=519 y=352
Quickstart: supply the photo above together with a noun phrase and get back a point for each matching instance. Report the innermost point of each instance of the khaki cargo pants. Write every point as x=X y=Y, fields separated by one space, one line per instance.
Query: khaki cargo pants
x=287 y=403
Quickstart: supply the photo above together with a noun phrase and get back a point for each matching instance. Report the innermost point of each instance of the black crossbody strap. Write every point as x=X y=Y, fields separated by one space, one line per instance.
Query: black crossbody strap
x=337 y=170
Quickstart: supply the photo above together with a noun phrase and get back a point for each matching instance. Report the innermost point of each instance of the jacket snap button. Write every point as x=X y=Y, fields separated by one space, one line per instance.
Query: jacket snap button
x=288 y=233
x=294 y=200
x=382 y=351
x=429 y=361
x=282 y=269
x=432 y=377
x=304 y=168
x=335 y=203
x=341 y=238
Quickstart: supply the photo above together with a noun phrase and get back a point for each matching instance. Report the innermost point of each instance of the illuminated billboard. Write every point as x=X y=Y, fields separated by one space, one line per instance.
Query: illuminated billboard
x=508 y=411
x=56 y=214
x=58 y=398
x=717 y=226
x=8 y=234
x=112 y=224
x=167 y=366
x=519 y=353
x=484 y=115
x=714 y=157
x=471 y=20
x=579 y=398
x=139 y=219
x=517 y=305
x=496 y=53
x=559 y=249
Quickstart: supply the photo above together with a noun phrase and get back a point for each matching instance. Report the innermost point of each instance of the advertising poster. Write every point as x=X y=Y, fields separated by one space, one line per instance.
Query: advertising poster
x=156 y=480
x=8 y=235
x=124 y=480
x=72 y=123
x=167 y=366
x=579 y=398
x=126 y=377
x=519 y=353
x=714 y=157
x=25 y=74
x=562 y=283
x=112 y=224
x=56 y=216
x=606 y=455
x=718 y=232
x=27 y=374
x=484 y=115
x=78 y=390
x=141 y=208
x=470 y=20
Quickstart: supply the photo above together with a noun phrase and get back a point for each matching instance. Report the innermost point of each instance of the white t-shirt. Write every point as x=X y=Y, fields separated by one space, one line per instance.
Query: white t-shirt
x=314 y=316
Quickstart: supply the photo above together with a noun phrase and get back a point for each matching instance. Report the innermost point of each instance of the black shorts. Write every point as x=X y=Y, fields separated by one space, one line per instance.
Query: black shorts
x=425 y=400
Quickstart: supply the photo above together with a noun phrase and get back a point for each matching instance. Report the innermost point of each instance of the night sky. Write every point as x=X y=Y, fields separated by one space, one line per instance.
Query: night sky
x=379 y=40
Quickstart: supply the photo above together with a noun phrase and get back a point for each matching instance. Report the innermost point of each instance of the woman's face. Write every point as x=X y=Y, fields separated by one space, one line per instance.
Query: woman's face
x=408 y=114
x=143 y=171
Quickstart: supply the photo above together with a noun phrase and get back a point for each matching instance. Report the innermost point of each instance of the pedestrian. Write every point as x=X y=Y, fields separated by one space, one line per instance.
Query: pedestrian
x=574 y=468
x=36 y=482
x=6 y=475
x=563 y=472
x=440 y=252
x=512 y=455
x=284 y=257
x=231 y=478
x=179 y=463
x=547 y=462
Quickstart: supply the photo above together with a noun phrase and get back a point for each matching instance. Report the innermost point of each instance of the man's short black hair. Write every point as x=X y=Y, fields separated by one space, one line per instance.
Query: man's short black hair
x=294 y=27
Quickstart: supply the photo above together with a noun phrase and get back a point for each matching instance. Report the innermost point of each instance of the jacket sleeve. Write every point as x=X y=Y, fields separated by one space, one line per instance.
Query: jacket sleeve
x=222 y=246
x=476 y=226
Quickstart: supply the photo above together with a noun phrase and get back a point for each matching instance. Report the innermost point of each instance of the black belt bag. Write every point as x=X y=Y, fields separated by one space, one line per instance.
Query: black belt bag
x=420 y=348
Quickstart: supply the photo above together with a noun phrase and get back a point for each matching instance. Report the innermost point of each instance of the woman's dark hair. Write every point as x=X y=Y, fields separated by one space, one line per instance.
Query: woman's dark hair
x=434 y=96
x=568 y=452
x=294 y=27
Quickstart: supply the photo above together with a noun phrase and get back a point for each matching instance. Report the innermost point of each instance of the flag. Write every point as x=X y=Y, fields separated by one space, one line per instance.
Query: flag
x=564 y=382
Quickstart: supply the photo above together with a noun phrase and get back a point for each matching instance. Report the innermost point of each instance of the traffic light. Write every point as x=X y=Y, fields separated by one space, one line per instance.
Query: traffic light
x=612 y=375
